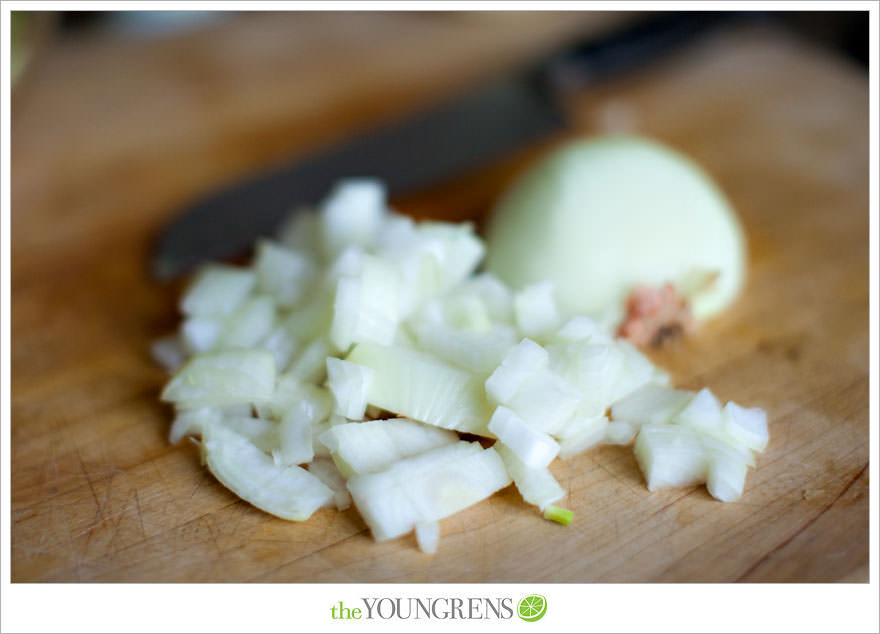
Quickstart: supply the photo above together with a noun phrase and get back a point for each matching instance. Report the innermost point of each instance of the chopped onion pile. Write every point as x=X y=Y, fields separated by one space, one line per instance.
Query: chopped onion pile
x=342 y=366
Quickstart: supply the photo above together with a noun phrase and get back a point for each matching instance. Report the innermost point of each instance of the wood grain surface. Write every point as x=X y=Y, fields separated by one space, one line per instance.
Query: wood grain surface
x=110 y=137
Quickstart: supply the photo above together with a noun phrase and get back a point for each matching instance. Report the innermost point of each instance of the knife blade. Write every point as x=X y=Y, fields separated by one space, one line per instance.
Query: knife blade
x=434 y=146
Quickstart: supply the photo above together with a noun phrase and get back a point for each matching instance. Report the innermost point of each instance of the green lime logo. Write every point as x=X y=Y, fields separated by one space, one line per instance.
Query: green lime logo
x=532 y=608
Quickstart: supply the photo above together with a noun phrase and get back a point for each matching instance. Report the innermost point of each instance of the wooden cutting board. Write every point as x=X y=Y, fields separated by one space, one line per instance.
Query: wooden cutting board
x=110 y=137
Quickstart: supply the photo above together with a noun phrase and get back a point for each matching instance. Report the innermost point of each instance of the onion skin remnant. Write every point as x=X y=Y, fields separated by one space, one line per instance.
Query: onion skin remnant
x=655 y=316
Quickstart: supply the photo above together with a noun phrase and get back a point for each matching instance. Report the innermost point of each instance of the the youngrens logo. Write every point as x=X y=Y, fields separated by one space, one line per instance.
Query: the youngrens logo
x=530 y=608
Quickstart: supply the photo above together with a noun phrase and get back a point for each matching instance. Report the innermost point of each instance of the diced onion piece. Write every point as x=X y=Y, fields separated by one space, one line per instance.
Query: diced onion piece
x=495 y=295
x=536 y=486
x=349 y=382
x=536 y=449
x=670 y=456
x=374 y=445
x=520 y=362
x=337 y=419
x=703 y=413
x=417 y=257
x=419 y=386
x=223 y=378
x=311 y=364
x=651 y=405
x=426 y=487
x=593 y=368
x=262 y=433
x=620 y=432
x=191 y=422
x=312 y=317
x=458 y=248
x=582 y=433
x=282 y=273
x=478 y=352
x=746 y=426
x=327 y=473
x=431 y=313
x=466 y=311
x=397 y=236
x=352 y=214
x=741 y=452
x=349 y=263
x=289 y=392
x=281 y=345
x=317 y=430
x=428 y=536
x=403 y=338
x=168 y=352
x=410 y=438
x=291 y=492
x=249 y=324
x=345 y=312
x=559 y=515
x=545 y=401
x=217 y=290
x=744 y=454
x=581 y=328
x=535 y=310
x=369 y=307
x=240 y=410
x=726 y=470
x=300 y=231
x=636 y=371
x=295 y=431
x=199 y=334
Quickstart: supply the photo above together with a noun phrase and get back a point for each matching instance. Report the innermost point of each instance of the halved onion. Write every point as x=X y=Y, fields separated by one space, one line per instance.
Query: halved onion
x=597 y=217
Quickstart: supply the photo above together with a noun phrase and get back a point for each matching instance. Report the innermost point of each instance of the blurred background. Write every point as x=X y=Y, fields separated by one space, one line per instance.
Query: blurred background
x=181 y=102
x=120 y=120
x=162 y=107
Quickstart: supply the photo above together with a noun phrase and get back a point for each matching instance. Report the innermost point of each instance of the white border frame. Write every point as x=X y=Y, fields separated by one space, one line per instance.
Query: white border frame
x=305 y=607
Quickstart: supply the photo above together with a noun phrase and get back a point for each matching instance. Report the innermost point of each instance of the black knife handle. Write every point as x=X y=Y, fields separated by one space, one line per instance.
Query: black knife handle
x=626 y=50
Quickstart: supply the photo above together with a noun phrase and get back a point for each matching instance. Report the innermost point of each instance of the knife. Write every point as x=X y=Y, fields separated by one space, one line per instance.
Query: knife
x=434 y=146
